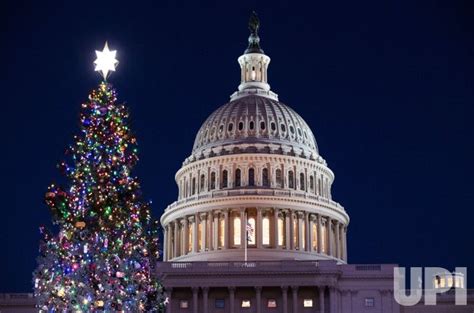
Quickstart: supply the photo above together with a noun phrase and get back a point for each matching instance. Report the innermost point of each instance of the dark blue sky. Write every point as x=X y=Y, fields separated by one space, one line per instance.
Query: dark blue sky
x=386 y=86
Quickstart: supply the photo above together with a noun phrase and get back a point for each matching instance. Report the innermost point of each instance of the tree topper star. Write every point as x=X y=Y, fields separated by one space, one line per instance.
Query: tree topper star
x=106 y=61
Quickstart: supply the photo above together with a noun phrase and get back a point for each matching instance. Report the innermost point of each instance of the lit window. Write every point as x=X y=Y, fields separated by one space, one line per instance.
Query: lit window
x=199 y=236
x=237 y=231
x=308 y=303
x=266 y=231
x=251 y=232
x=314 y=231
x=271 y=303
x=220 y=304
x=369 y=302
x=281 y=231
x=245 y=304
x=221 y=232
x=183 y=304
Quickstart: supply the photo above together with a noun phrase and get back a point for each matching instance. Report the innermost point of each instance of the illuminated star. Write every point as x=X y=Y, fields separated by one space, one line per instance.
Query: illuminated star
x=106 y=61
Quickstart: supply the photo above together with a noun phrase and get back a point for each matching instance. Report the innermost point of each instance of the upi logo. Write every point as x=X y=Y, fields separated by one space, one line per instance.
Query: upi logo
x=437 y=281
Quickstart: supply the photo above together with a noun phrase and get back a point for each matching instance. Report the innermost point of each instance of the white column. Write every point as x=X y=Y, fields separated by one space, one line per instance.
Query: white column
x=226 y=229
x=195 y=233
x=331 y=237
x=307 y=233
x=205 y=294
x=203 y=216
x=310 y=232
x=300 y=217
x=321 y=299
x=275 y=224
x=186 y=236
x=215 y=230
x=243 y=227
x=292 y=230
x=287 y=229
x=284 y=292
x=258 y=295
x=259 y=231
x=195 y=300
x=231 y=299
x=320 y=242
x=165 y=245
x=169 y=292
x=176 y=239
x=338 y=242
x=294 y=290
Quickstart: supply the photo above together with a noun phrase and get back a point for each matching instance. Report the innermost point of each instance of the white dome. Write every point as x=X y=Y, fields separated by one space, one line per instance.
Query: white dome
x=255 y=124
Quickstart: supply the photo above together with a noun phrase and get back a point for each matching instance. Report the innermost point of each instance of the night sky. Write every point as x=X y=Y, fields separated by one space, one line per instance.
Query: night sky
x=386 y=86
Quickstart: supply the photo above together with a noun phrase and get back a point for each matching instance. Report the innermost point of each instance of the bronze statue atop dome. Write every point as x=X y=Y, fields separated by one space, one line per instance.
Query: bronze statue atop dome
x=254 y=23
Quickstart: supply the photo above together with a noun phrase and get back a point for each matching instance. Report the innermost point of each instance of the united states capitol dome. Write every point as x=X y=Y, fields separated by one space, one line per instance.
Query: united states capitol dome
x=255 y=186
x=254 y=123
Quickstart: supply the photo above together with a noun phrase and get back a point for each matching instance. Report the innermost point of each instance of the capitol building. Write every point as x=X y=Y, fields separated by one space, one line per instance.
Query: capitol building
x=255 y=228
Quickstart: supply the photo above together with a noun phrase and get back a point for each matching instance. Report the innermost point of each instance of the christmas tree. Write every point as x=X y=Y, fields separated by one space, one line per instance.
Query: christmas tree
x=103 y=257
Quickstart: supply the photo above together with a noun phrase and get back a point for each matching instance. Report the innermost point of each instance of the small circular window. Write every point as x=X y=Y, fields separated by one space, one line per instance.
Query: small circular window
x=241 y=125
x=273 y=126
x=299 y=132
x=221 y=128
x=292 y=130
x=251 y=125
x=283 y=128
x=262 y=125
x=230 y=127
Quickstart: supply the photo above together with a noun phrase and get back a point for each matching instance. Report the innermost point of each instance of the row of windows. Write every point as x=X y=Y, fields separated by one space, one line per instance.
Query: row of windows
x=319 y=188
x=240 y=127
x=245 y=303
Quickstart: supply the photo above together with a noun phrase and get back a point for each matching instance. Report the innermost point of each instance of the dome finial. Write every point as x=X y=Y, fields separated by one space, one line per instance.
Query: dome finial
x=254 y=40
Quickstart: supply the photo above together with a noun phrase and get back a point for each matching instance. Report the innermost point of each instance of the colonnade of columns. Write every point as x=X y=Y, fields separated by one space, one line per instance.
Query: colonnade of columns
x=327 y=302
x=269 y=228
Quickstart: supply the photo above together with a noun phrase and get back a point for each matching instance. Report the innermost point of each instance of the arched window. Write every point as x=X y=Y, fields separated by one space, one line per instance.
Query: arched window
x=213 y=181
x=265 y=181
x=237 y=229
x=224 y=179
x=319 y=188
x=251 y=230
x=302 y=181
x=237 y=177
x=278 y=178
x=291 y=180
x=202 y=182
x=266 y=231
x=323 y=238
x=251 y=177
x=311 y=183
x=314 y=231
x=221 y=231
x=281 y=231
x=193 y=186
